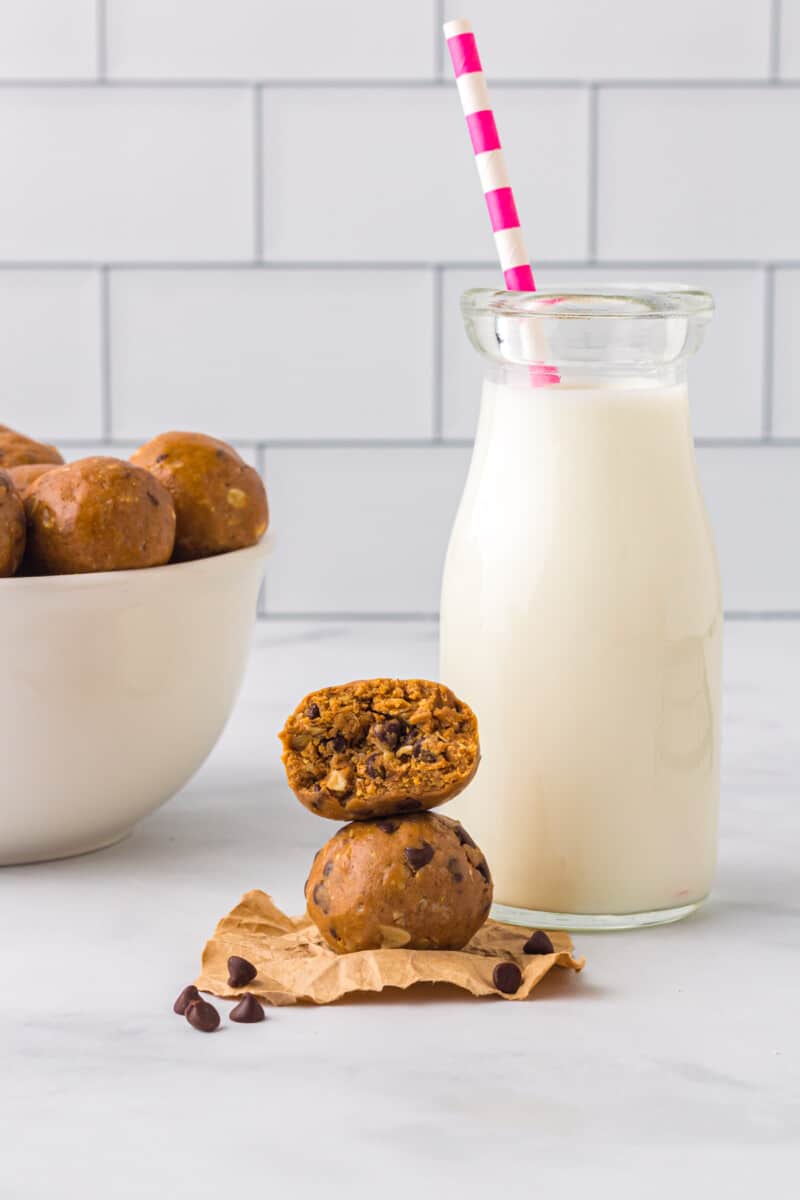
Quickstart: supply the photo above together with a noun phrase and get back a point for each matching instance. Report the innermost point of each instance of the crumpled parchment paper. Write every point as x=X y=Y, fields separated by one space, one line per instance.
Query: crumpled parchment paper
x=294 y=964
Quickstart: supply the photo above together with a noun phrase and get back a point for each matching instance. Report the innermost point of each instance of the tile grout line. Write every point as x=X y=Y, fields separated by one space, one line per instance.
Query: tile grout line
x=376 y=264
x=765 y=83
x=438 y=355
x=105 y=355
x=258 y=174
x=775 y=40
x=101 y=40
x=593 y=179
x=454 y=443
x=769 y=349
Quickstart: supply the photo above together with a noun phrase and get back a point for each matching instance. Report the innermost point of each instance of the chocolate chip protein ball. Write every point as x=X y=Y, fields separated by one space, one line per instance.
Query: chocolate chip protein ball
x=98 y=514
x=12 y=527
x=24 y=476
x=378 y=747
x=418 y=882
x=220 y=501
x=17 y=450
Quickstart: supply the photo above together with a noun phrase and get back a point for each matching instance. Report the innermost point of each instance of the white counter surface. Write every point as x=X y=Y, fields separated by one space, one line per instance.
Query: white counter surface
x=670 y=1067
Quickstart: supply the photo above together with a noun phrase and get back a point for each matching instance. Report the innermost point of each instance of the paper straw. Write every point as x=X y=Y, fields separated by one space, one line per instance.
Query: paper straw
x=489 y=159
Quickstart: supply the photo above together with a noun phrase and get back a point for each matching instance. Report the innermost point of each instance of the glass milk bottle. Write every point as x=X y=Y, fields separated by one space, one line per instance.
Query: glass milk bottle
x=581 y=610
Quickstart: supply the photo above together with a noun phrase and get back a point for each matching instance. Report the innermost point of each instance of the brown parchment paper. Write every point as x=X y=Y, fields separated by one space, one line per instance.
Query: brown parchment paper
x=294 y=964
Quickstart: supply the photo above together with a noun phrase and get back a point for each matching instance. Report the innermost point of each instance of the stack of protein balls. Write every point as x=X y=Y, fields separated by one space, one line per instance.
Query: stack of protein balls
x=380 y=753
x=181 y=496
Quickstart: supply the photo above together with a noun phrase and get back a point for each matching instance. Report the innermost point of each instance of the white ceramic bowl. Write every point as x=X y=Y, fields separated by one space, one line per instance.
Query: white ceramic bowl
x=113 y=689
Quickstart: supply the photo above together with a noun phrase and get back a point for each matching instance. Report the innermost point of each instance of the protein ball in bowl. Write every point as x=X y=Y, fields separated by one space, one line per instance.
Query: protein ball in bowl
x=416 y=882
x=98 y=514
x=12 y=527
x=220 y=501
x=378 y=747
x=25 y=476
x=17 y=450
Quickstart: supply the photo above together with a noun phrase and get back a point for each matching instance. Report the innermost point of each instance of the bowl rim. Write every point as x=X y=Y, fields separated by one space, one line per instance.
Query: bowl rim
x=215 y=564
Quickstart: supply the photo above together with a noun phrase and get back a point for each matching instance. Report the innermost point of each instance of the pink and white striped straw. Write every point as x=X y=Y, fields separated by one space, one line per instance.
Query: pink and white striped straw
x=489 y=159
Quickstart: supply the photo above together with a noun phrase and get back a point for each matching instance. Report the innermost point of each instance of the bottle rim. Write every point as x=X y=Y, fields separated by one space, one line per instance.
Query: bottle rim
x=589 y=301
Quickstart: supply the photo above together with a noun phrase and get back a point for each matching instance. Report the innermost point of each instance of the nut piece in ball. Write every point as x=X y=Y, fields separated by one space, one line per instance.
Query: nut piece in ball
x=17 y=450
x=12 y=527
x=98 y=514
x=220 y=501
x=378 y=747
x=414 y=882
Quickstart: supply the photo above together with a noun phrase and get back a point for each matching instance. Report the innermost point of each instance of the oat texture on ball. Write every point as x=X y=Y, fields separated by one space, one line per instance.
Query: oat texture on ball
x=98 y=514
x=378 y=747
x=17 y=450
x=12 y=527
x=220 y=501
x=414 y=882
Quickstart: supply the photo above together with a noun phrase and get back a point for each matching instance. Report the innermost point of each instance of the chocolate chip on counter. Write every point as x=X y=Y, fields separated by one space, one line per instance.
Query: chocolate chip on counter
x=248 y=1010
x=418 y=857
x=340 y=743
x=320 y=897
x=387 y=826
x=326 y=870
x=240 y=971
x=538 y=943
x=184 y=1000
x=453 y=867
x=463 y=836
x=483 y=869
x=507 y=977
x=202 y=1016
x=312 y=712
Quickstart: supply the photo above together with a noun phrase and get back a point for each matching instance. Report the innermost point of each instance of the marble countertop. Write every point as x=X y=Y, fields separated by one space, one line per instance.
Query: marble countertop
x=670 y=1063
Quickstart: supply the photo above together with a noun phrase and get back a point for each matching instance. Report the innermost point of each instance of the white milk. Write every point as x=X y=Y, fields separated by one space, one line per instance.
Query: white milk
x=581 y=618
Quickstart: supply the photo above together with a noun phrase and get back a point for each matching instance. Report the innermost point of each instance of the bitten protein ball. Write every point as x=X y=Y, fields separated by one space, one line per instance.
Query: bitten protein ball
x=25 y=476
x=17 y=450
x=12 y=527
x=98 y=514
x=220 y=501
x=378 y=747
x=417 y=882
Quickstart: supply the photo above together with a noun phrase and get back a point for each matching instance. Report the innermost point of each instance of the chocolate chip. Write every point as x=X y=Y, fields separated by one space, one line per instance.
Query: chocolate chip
x=339 y=743
x=418 y=857
x=320 y=897
x=374 y=772
x=184 y=1000
x=326 y=870
x=315 y=804
x=161 y=457
x=390 y=732
x=483 y=869
x=452 y=866
x=247 y=1011
x=333 y=933
x=410 y=805
x=538 y=943
x=507 y=977
x=428 y=757
x=387 y=826
x=202 y=1016
x=463 y=836
x=240 y=971
x=220 y=453
x=153 y=499
x=312 y=712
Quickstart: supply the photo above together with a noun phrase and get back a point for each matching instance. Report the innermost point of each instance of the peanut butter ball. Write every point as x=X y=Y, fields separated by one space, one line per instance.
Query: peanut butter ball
x=24 y=476
x=378 y=747
x=417 y=882
x=220 y=501
x=98 y=514
x=12 y=527
x=17 y=450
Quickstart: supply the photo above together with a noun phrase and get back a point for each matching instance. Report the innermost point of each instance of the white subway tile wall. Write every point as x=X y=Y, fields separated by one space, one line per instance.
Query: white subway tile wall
x=256 y=217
